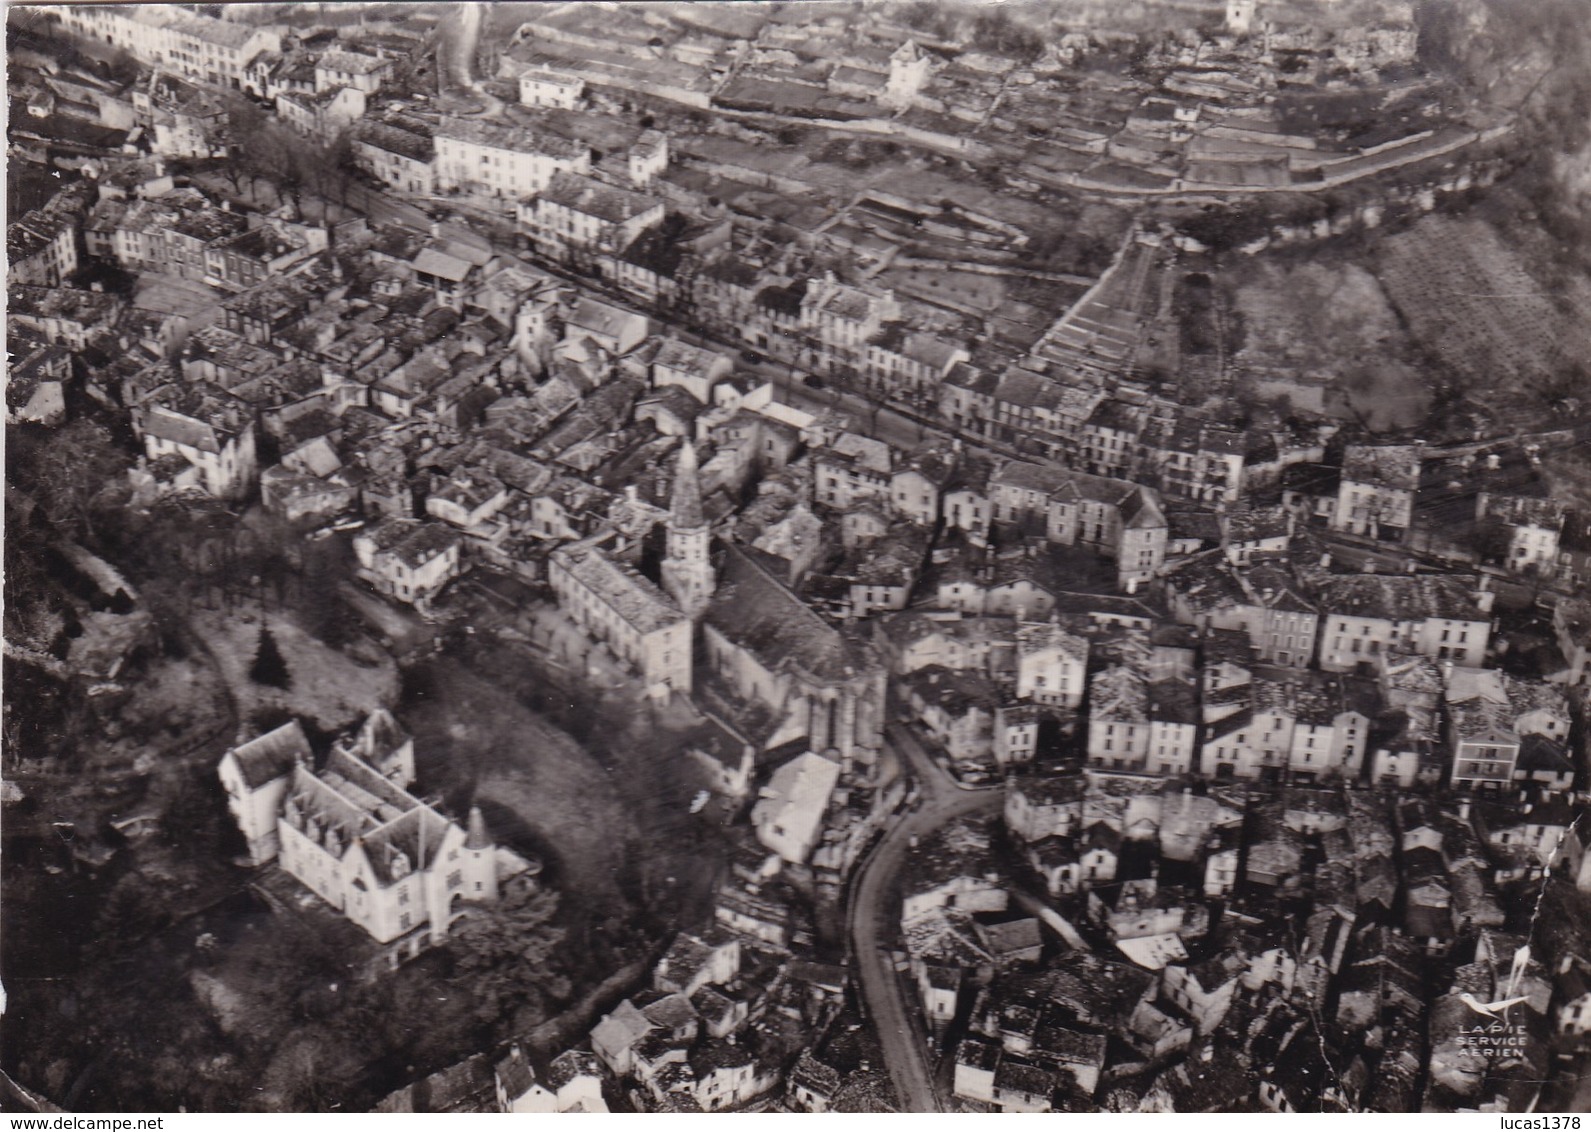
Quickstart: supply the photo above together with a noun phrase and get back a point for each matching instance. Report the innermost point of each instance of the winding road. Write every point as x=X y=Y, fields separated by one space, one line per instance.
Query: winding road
x=872 y=913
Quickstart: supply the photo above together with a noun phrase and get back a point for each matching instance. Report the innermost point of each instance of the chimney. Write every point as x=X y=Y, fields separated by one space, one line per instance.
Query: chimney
x=226 y=205
x=436 y=229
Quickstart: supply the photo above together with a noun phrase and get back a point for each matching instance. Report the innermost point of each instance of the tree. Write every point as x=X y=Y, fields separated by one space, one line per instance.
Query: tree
x=244 y=119
x=269 y=667
x=67 y=472
x=510 y=954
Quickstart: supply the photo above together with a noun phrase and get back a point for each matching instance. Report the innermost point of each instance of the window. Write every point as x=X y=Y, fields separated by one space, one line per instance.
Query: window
x=455 y=879
x=403 y=922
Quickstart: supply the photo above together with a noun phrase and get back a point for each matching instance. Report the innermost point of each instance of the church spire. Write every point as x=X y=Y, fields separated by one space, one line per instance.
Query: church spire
x=685 y=510
x=687 y=569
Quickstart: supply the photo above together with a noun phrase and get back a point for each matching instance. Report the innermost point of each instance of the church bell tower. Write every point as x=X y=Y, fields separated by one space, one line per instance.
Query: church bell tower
x=687 y=569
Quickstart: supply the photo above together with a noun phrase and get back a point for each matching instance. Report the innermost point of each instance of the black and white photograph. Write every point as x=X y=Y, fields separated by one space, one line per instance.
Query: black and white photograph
x=797 y=556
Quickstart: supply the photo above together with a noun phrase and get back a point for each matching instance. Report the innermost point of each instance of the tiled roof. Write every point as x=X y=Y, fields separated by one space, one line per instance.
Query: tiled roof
x=272 y=755
x=636 y=599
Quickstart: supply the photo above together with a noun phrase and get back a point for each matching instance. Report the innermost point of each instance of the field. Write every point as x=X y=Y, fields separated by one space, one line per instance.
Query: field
x=1472 y=306
x=1330 y=325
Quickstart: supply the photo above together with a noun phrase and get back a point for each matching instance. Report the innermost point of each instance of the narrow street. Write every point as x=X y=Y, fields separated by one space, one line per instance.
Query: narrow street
x=898 y=1024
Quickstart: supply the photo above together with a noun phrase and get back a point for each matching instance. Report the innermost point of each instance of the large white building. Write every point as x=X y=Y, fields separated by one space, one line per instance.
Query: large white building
x=576 y=212
x=488 y=159
x=353 y=834
x=612 y=603
x=1441 y=617
x=199 y=48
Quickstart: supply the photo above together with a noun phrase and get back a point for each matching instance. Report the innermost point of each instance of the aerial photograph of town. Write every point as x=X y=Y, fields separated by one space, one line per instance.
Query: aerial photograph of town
x=848 y=556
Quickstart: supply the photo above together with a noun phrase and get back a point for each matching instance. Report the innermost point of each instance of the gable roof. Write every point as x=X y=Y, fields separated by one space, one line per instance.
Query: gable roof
x=272 y=755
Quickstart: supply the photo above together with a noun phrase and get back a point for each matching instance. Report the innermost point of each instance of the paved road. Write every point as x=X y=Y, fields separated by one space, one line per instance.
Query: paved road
x=872 y=913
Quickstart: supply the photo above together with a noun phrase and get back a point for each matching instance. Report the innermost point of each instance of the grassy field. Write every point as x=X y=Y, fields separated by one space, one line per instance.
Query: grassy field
x=1329 y=322
x=1471 y=303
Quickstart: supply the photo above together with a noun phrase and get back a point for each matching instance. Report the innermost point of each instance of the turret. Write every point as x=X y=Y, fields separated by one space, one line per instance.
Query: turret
x=480 y=859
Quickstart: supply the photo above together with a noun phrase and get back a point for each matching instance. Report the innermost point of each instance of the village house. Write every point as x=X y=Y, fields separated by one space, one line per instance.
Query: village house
x=408 y=559
x=201 y=49
x=1375 y=496
x=210 y=430
x=543 y=87
x=42 y=248
x=37 y=381
x=364 y=73
x=577 y=214
x=403 y=158
x=1051 y=663
x=1440 y=616
x=788 y=816
x=502 y=162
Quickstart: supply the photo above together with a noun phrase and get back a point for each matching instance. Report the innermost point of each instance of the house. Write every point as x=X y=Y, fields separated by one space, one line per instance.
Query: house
x=1572 y=1014
x=1119 y=520
x=518 y=1090
x=408 y=559
x=1204 y=991
x=36 y=381
x=788 y=816
x=325 y=114
x=541 y=86
x=692 y=368
x=364 y=73
x=853 y=469
x=500 y=161
x=199 y=48
x=575 y=1078
x=1051 y=664
x=914 y=488
x=976 y=1062
x=813 y=1084
x=1571 y=624
x=1440 y=616
x=237 y=263
x=207 y=428
x=613 y=603
x=612 y=328
x=63 y=316
x=958 y=710
x=451 y=269
x=729 y=1075
x=575 y=213
x=614 y=1037
x=401 y=156
x=42 y=249
x=693 y=962
x=1135 y=724
x=1375 y=496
